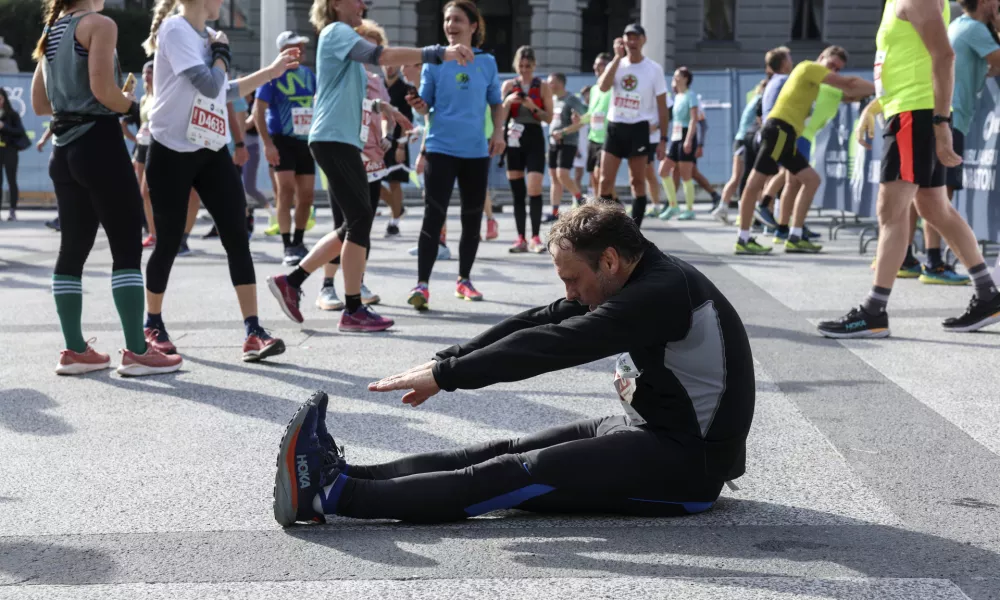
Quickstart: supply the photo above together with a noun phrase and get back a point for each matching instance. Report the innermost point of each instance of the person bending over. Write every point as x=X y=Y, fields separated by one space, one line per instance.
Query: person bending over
x=684 y=374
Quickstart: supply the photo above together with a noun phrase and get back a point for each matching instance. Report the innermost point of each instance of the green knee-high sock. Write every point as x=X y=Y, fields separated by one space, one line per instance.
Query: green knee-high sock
x=671 y=191
x=68 y=294
x=130 y=300
x=689 y=193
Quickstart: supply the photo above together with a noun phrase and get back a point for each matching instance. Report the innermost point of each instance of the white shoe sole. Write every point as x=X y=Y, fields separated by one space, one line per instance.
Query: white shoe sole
x=140 y=370
x=861 y=335
x=81 y=368
x=276 y=292
x=991 y=320
x=285 y=494
x=330 y=307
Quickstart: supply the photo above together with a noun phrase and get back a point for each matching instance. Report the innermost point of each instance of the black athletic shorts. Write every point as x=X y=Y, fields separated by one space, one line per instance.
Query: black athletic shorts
x=778 y=148
x=953 y=178
x=676 y=151
x=529 y=154
x=739 y=147
x=400 y=175
x=627 y=140
x=593 y=155
x=562 y=156
x=293 y=155
x=139 y=154
x=908 y=150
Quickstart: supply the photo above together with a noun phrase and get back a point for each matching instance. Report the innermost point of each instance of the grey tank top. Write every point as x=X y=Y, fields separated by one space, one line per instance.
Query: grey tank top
x=67 y=81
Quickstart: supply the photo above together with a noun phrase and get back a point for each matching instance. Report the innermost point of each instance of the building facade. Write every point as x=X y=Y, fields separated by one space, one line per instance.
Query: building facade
x=568 y=34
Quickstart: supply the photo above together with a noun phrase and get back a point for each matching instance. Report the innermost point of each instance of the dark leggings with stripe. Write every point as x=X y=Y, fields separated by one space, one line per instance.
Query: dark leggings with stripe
x=95 y=186
x=600 y=465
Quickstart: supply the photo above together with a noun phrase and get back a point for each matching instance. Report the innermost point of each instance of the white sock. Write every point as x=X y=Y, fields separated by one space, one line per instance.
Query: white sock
x=744 y=235
x=393 y=221
x=796 y=232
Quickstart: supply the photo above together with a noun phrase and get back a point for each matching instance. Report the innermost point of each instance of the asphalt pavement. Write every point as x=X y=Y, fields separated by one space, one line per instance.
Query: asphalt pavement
x=873 y=466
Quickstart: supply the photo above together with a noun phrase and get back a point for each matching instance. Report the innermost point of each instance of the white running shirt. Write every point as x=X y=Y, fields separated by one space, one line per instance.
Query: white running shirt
x=178 y=48
x=636 y=88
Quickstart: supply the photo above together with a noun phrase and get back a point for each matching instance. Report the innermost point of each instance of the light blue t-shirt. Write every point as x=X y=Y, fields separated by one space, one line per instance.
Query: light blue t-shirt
x=459 y=96
x=971 y=41
x=683 y=103
x=341 y=84
x=771 y=91
x=747 y=118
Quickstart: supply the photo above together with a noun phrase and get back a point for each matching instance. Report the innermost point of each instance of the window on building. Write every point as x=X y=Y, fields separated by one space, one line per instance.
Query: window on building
x=234 y=14
x=718 y=20
x=807 y=21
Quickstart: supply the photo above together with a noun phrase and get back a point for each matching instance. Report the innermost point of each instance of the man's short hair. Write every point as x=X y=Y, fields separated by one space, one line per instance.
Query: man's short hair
x=836 y=51
x=595 y=227
x=560 y=77
x=605 y=56
x=969 y=5
x=777 y=57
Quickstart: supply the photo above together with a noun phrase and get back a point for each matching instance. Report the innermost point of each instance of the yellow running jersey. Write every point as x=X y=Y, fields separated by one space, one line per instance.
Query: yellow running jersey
x=798 y=94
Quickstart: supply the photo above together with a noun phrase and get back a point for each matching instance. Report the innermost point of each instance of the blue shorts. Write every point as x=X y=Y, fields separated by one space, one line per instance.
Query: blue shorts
x=804 y=147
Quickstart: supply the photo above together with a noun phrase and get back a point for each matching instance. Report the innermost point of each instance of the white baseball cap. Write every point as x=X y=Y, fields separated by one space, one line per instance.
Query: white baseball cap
x=288 y=38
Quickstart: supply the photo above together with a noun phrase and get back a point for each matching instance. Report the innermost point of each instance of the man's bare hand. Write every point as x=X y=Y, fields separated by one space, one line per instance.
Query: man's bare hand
x=418 y=380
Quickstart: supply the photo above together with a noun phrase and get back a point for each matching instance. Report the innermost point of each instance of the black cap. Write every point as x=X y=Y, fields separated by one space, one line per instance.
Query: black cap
x=636 y=29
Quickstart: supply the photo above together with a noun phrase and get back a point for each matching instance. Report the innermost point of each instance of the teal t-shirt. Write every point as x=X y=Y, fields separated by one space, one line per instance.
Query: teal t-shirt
x=683 y=103
x=972 y=42
x=748 y=117
x=239 y=106
x=341 y=84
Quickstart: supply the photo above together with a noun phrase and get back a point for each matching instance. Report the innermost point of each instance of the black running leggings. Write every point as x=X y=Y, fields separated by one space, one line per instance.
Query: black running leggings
x=8 y=160
x=440 y=173
x=349 y=189
x=374 y=189
x=600 y=465
x=171 y=175
x=95 y=186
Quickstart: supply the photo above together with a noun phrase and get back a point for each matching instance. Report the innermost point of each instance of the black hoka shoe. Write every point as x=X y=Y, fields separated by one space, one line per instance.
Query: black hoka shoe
x=856 y=324
x=978 y=315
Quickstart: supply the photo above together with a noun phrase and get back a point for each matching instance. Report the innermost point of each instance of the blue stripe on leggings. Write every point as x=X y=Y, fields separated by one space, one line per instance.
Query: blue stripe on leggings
x=508 y=500
x=691 y=507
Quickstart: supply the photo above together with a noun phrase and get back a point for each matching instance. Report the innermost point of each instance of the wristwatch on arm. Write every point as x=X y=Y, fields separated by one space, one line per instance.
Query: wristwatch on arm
x=938 y=119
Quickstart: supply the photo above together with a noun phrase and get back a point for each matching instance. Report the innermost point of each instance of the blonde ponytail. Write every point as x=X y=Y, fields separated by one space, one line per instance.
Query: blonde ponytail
x=162 y=9
x=51 y=14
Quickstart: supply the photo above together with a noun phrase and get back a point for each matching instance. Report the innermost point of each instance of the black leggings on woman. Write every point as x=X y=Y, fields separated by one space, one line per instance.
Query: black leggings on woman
x=440 y=174
x=171 y=175
x=95 y=186
x=374 y=189
x=349 y=189
x=8 y=160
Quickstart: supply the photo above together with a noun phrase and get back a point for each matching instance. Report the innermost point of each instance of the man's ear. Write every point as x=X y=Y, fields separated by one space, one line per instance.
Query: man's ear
x=611 y=259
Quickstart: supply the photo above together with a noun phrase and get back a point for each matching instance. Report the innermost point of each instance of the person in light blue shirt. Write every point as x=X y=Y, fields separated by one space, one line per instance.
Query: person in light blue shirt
x=342 y=116
x=977 y=55
x=456 y=147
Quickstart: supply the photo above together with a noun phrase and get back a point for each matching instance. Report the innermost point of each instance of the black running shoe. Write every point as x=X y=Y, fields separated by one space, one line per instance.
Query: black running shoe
x=856 y=324
x=334 y=453
x=978 y=315
x=391 y=230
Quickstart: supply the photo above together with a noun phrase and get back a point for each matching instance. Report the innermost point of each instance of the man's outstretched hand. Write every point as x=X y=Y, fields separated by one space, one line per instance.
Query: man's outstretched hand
x=418 y=380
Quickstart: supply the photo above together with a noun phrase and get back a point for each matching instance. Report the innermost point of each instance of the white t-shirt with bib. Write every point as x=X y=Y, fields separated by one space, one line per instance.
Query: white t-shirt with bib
x=180 y=47
x=636 y=88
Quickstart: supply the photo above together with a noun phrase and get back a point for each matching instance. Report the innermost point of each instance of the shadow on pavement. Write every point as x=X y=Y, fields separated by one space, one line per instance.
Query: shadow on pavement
x=23 y=411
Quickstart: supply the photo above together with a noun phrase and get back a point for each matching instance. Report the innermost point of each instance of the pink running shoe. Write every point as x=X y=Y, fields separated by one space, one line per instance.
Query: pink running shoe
x=520 y=246
x=492 y=229
x=78 y=363
x=364 y=319
x=288 y=297
x=465 y=291
x=261 y=345
x=537 y=246
x=160 y=341
x=152 y=362
x=149 y=242
x=420 y=296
